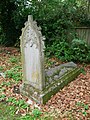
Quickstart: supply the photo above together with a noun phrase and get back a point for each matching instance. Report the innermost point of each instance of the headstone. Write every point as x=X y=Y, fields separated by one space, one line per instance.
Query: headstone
x=32 y=47
x=38 y=83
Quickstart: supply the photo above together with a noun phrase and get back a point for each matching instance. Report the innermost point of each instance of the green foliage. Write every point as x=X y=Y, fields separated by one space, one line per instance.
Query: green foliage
x=13 y=60
x=14 y=73
x=27 y=117
x=84 y=106
x=61 y=50
x=49 y=62
x=2 y=97
x=8 y=112
x=5 y=84
x=80 y=50
x=2 y=90
x=76 y=50
x=56 y=17
x=9 y=32
x=34 y=116
x=83 y=71
x=20 y=103
x=12 y=110
x=1 y=68
x=2 y=36
x=36 y=113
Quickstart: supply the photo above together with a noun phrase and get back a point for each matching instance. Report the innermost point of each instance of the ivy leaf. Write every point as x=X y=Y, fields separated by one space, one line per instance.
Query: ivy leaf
x=84 y=113
x=86 y=107
x=83 y=71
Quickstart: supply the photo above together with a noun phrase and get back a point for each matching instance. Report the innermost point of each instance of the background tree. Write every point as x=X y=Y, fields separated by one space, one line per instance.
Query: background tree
x=7 y=23
x=56 y=17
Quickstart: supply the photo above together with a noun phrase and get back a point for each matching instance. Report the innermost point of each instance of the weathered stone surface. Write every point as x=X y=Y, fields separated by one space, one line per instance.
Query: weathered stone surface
x=52 y=71
x=40 y=84
x=58 y=71
x=43 y=96
x=32 y=47
x=56 y=77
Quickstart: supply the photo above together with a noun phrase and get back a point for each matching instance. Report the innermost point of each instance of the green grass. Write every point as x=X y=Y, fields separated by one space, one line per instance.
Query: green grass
x=1 y=68
x=8 y=112
x=14 y=73
x=14 y=59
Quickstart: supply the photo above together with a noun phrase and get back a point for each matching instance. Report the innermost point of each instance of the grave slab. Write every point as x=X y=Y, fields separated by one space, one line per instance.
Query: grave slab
x=38 y=83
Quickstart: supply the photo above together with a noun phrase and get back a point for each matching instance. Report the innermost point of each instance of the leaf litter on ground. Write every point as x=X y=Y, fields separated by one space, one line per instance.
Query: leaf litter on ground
x=63 y=105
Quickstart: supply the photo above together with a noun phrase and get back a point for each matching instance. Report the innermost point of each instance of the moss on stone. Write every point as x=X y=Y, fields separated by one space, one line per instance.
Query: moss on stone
x=43 y=96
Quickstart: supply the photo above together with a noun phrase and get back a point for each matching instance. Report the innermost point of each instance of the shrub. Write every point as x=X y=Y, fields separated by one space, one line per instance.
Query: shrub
x=77 y=50
x=55 y=17
x=80 y=50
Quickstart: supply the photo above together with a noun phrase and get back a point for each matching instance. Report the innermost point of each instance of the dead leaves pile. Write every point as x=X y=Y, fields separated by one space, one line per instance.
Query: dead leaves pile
x=63 y=105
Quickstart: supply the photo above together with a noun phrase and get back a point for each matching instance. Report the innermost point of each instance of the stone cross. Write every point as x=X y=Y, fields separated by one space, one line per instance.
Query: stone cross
x=32 y=47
